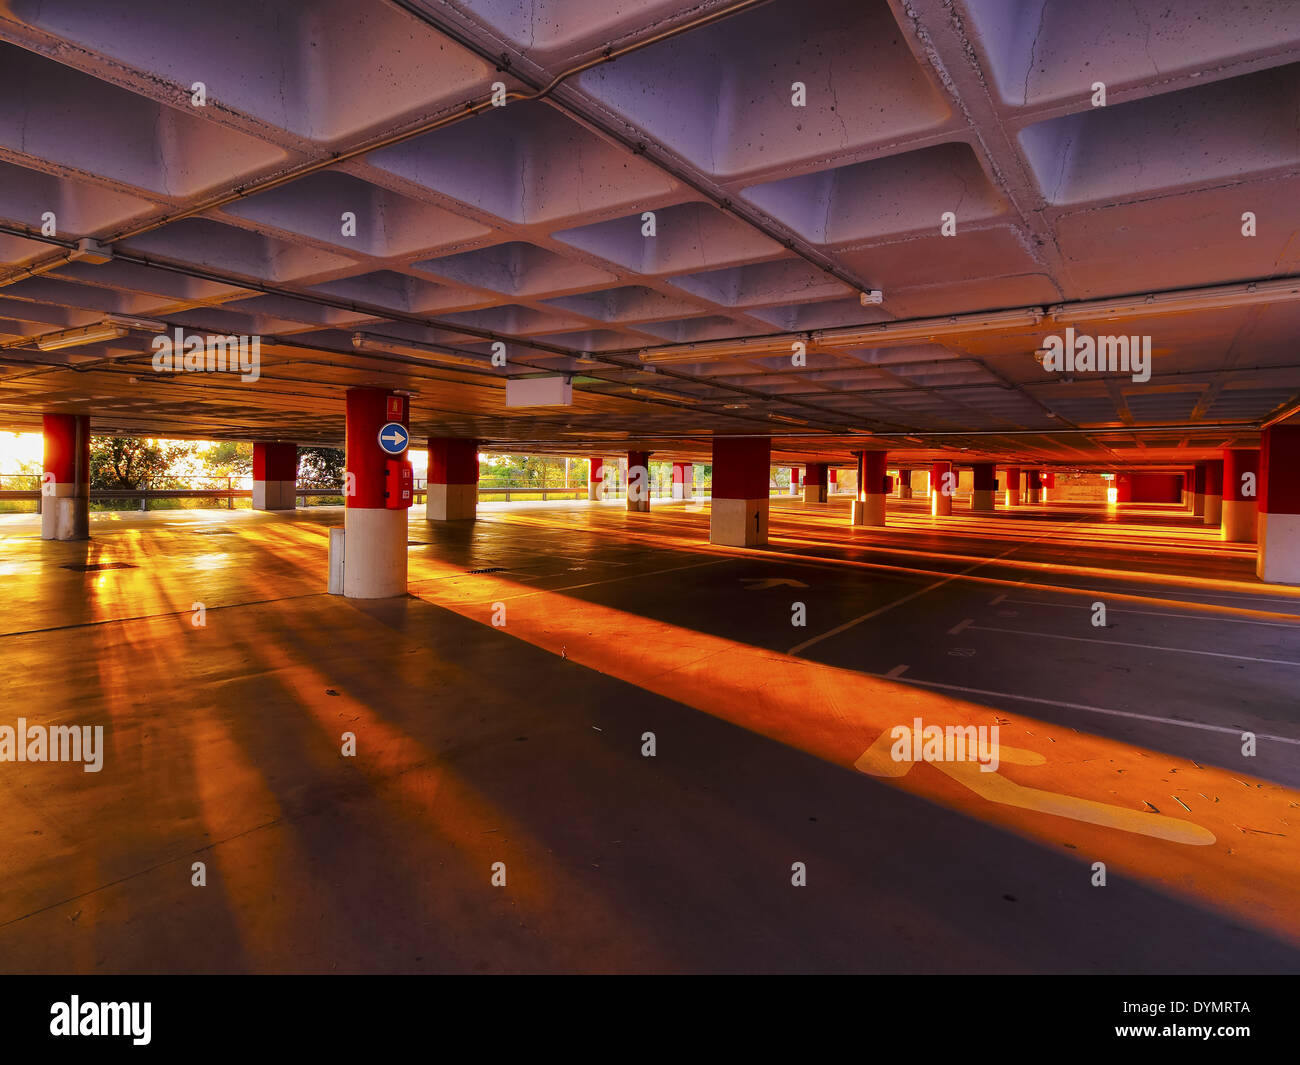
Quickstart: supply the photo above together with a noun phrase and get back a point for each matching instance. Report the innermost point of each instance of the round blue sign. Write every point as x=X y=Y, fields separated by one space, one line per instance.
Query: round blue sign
x=393 y=438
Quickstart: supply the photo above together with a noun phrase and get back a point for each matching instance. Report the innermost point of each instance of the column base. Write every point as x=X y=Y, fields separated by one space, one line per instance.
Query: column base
x=905 y=492
x=981 y=500
x=869 y=511
x=275 y=495
x=65 y=515
x=641 y=506
x=738 y=522
x=1012 y=497
x=814 y=494
x=1240 y=517
x=374 y=557
x=1034 y=496
x=683 y=491
x=450 y=502
x=1213 y=509
x=593 y=491
x=1198 y=504
x=1278 y=561
x=940 y=505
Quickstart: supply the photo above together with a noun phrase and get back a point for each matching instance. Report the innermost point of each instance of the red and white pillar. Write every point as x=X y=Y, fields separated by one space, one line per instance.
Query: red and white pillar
x=683 y=480
x=814 y=482
x=943 y=486
x=65 y=486
x=985 y=488
x=1012 y=495
x=1049 y=481
x=1213 y=492
x=451 y=490
x=1279 y=505
x=1034 y=490
x=1240 y=494
x=738 y=513
x=794 y=480
x=374 y=560
x=904 y=484
x=1198 y=490
x=595 y=478
x=869 y=507
x=638 y=481
x=275 y=476
x=833 y=481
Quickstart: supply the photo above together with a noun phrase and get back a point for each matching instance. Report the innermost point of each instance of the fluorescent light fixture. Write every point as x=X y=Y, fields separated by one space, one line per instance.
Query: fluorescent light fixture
x=1156 y=303
x=872 y=296
x=659 y=394
x=72 y=338
x=882 y=334
x=130 y=321
x=390 y=346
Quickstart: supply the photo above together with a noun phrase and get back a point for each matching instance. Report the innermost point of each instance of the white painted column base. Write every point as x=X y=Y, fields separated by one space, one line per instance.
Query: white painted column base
x=65 y=515
x=1213 y=509
x=1240 y=517
x=275 y=495
x=869 y=511
x=682 y=491
x=1034 y=496
x=641 y=506
x=1012 y=498
x=1278 y=561
x=593 y=491
x=450 y=502
x=374 y=558
x=905 y=492
x=940 y=505
x=814 y=494
x=738 y=522
x=981 y=500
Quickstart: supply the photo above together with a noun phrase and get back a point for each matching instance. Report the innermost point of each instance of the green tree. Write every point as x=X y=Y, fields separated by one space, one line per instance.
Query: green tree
x=228 y=458
x=124 y=462
x=321 y=467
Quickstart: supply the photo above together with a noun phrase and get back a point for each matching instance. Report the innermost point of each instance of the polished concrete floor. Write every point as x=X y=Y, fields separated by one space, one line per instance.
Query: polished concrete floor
x=520 y=742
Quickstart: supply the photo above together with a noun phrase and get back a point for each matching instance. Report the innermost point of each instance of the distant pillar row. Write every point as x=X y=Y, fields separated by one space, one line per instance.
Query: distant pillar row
x=814 y=482
x=941 y=478
x=869 y=507
x=595 y=478
x=1012 y=496
x=451 y=489
x=985 y=487
x=1198 y=489
x=1240 y=494
x=275 y=475
x=1279 y=505
x=904 y=484
x=65 y=487
x=738 y=515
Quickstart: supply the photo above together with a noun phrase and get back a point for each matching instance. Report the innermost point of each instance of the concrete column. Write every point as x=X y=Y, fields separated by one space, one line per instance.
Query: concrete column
x=374 y=560
x=1012 y=494
x=1240 y=494
x=869 y=507
x=1123 y=488
x=738 y=513
x=833 y=482
x=638 y=481
x=1198 y=490
x=814 y=482
x=984 y=489
x=904 y=484
x=65 y=486
x=452 y=486
x=1034 y=490
x=1214 y=492
x=941 y=478
x=794 y=480
x=1049 y=482
x=275 y=476
x=1279 y=505
x=595 y=478
x=683 y=478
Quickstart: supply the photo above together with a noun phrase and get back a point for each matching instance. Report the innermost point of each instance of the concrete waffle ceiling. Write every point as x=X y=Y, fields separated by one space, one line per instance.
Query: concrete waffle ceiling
x=524 y=223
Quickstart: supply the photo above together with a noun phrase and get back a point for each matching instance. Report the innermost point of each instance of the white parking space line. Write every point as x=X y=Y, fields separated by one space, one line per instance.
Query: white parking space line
x=960 y=625
x=1142 y=646
x=1156 y=614
x=896 y=672
x=1098 y=710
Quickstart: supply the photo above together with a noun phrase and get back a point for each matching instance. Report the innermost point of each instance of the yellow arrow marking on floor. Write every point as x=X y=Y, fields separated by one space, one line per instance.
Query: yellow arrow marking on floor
x=877 y=761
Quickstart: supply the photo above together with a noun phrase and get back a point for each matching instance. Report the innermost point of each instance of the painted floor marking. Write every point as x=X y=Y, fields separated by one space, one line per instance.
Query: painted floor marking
x=1140 y=646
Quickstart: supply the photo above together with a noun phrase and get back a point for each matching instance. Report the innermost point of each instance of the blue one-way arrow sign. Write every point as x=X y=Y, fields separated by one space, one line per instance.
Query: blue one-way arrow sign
x=393 y=438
